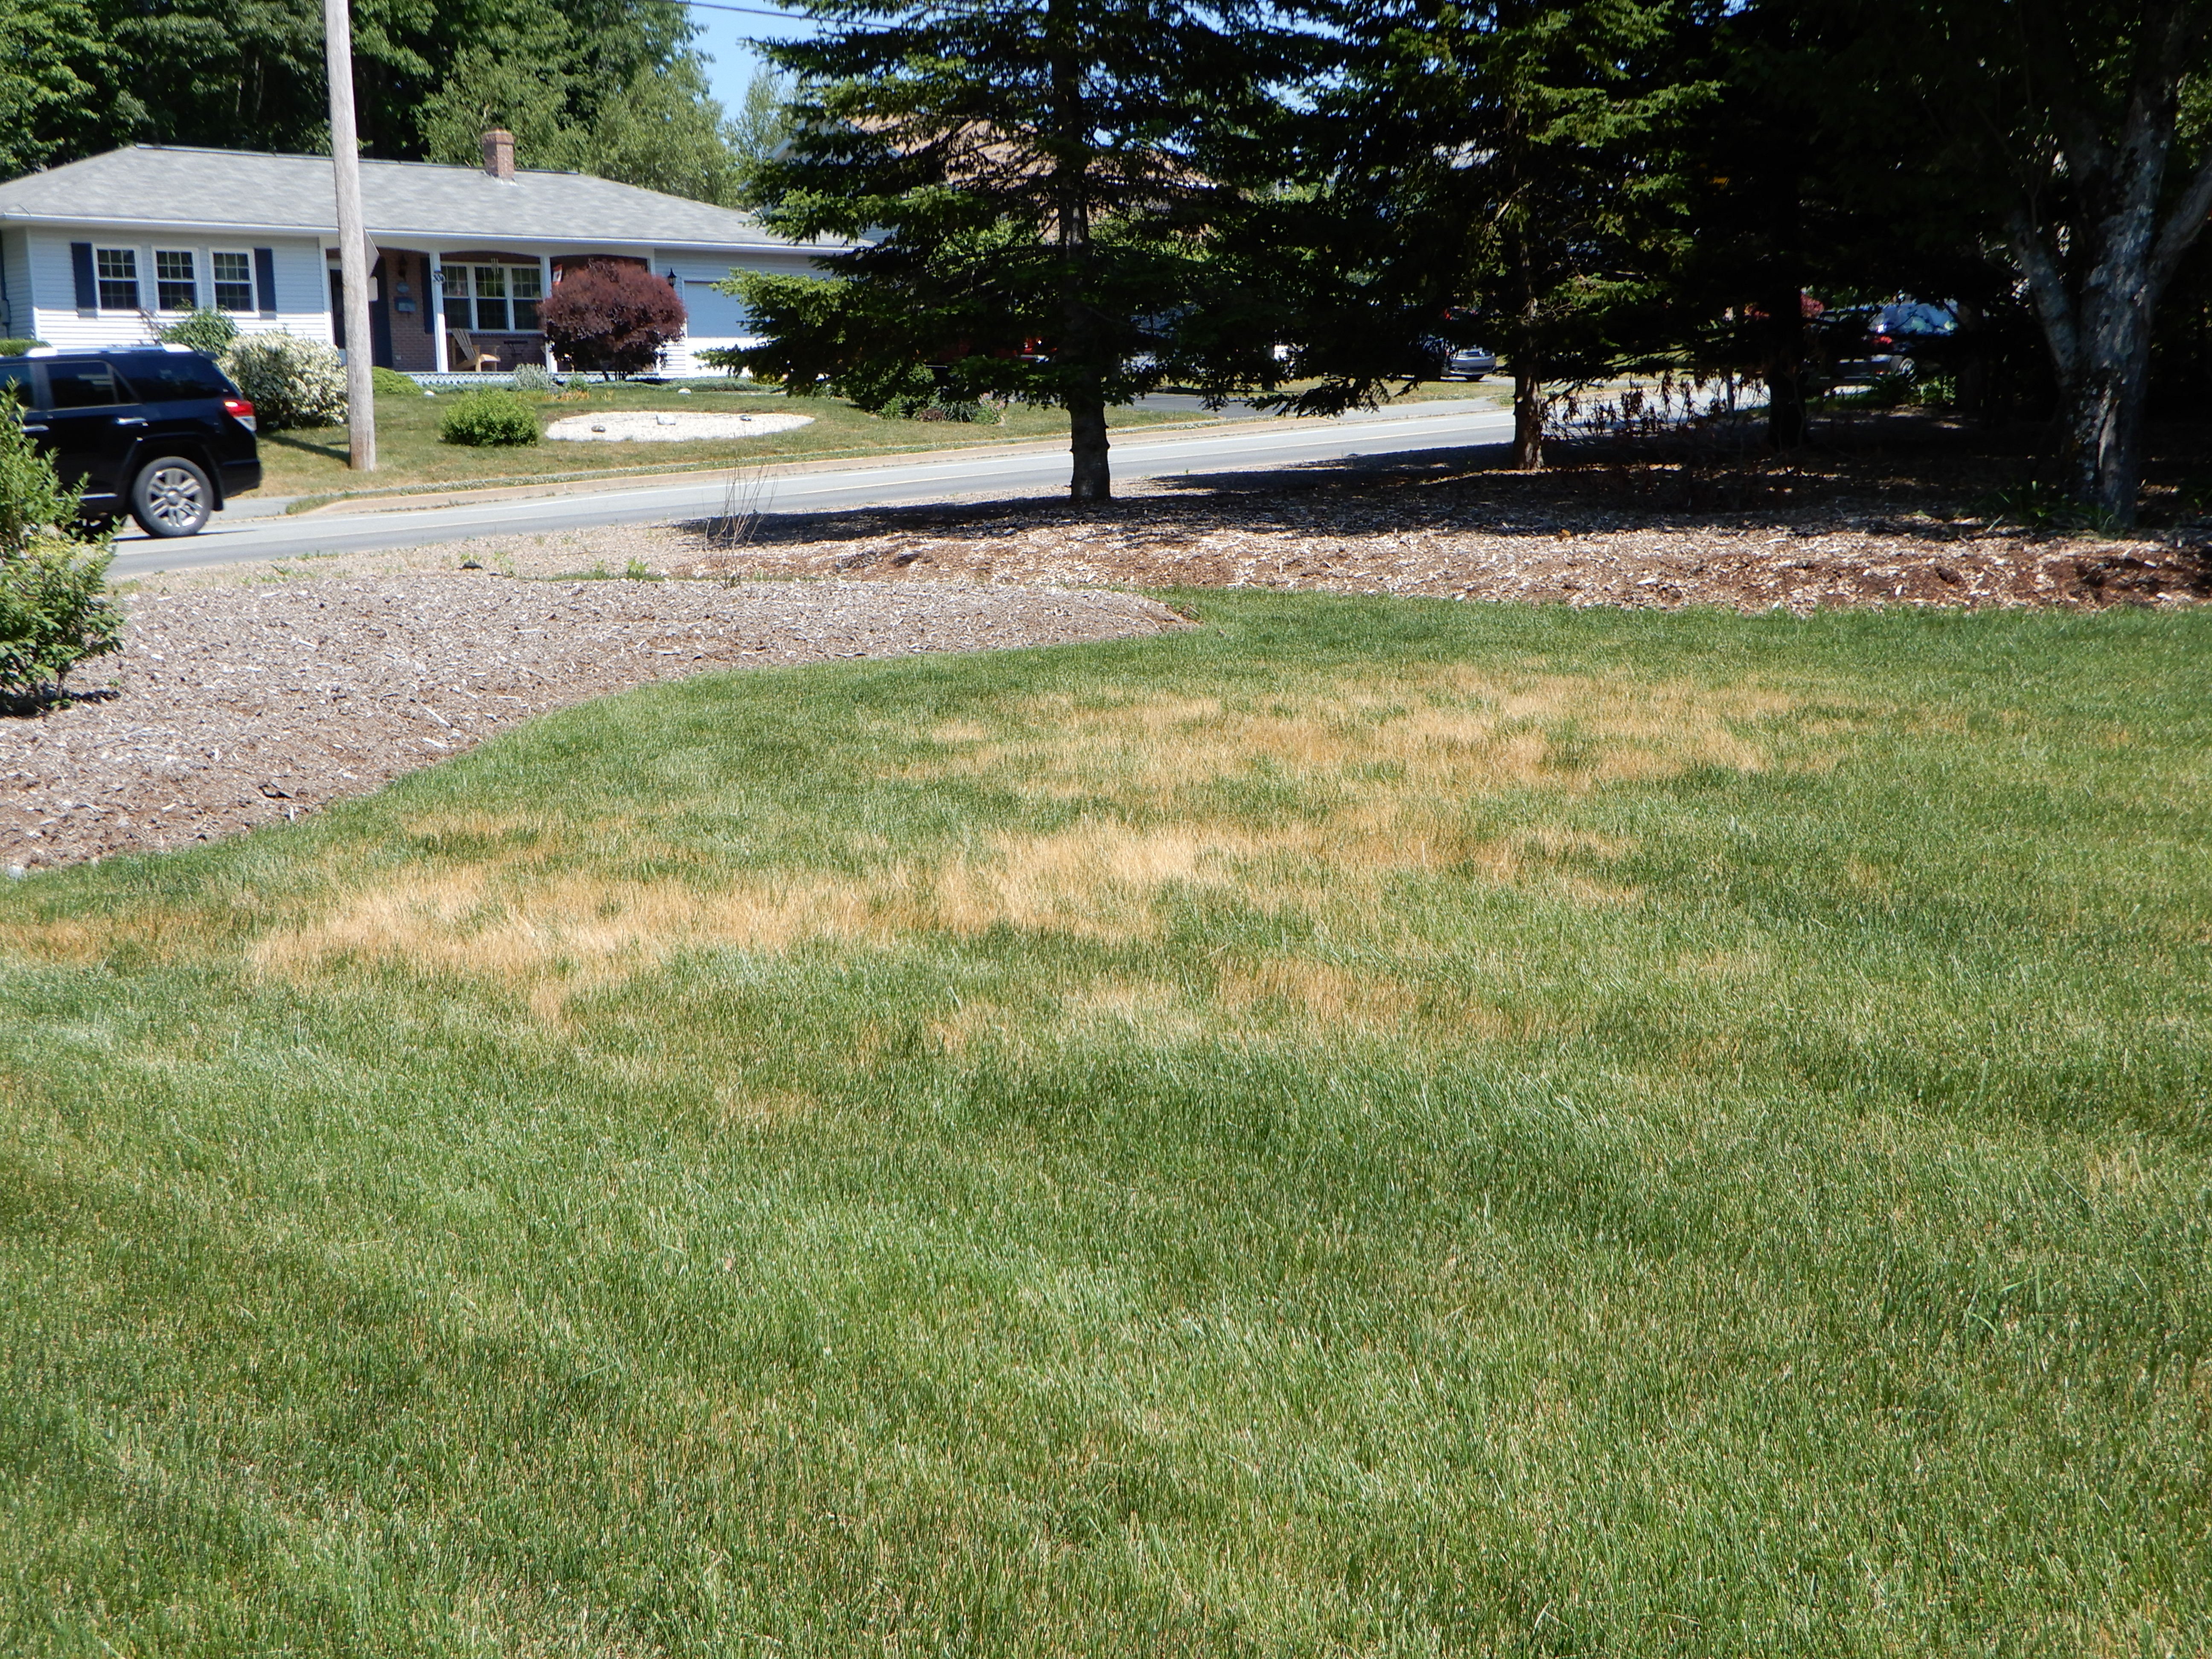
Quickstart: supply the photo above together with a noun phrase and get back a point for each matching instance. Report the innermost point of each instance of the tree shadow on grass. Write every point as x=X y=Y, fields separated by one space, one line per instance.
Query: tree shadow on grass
x=335 y=450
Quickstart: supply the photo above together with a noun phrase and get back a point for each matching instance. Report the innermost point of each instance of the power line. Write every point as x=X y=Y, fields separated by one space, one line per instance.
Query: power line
x=750 y=11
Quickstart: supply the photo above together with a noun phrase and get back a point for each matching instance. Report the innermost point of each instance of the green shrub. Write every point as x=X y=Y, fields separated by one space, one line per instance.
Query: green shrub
x=291 y=382
x=534 y=377
x=209 y=331
x=391 y=382
x=490 y=417
x=17 y=348
x=55 y=610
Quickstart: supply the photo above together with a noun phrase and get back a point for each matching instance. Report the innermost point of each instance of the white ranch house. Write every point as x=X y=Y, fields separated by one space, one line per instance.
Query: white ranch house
x=105 y=251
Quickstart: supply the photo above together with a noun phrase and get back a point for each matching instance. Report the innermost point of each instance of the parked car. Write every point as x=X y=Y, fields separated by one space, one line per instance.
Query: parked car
x=157 y=432
x=1470 y=363
x=1894 y=338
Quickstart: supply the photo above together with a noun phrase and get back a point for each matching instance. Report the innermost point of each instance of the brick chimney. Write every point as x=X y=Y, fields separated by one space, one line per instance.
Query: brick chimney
x=499 y=153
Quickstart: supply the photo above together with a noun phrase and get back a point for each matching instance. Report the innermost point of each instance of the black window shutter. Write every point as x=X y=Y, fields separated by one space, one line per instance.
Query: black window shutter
x=87 y=287
x=265 y=278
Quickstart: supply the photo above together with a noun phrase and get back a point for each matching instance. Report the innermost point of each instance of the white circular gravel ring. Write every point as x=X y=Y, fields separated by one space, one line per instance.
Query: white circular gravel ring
x=675 y=427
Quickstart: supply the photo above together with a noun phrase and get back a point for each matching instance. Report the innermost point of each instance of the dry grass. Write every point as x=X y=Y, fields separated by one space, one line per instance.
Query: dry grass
x=1386 y=768
x=1453 y=728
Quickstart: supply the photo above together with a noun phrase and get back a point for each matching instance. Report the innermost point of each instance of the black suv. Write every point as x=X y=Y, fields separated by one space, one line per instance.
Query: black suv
x=158 y=432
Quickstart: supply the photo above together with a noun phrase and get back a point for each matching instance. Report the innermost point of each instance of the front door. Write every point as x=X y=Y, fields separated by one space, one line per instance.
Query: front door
x=92 y=422
x=379 y=317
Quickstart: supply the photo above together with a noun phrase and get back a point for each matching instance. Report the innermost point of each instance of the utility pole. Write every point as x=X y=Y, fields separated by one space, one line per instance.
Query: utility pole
x=353 y=240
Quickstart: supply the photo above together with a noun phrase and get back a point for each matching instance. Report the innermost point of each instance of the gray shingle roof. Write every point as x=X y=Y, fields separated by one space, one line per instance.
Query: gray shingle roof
x=240 y=189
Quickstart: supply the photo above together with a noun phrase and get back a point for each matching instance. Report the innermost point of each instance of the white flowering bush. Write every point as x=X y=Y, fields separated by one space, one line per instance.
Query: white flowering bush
x=290 y=382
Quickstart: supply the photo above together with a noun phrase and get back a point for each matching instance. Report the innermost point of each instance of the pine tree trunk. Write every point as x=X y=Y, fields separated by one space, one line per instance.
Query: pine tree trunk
x=1090 y=478
x=1527 y=413
x=1093 y=479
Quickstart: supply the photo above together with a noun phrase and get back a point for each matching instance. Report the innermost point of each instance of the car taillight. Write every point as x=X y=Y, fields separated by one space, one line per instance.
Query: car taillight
x=240 y=410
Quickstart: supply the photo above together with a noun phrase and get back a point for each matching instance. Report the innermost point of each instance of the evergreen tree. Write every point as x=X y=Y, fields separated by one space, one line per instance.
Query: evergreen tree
x=1500 y=169
x=1031 y=185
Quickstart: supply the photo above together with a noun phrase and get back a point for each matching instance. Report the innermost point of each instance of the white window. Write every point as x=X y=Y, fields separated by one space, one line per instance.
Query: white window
x=526 y=284
x=118 y=278
x=488 y=282
x=492 y=299
x=234 y=281
x=175 y=285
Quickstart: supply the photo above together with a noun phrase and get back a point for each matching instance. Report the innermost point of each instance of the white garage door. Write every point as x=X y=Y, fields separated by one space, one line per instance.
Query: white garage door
x=714 y=315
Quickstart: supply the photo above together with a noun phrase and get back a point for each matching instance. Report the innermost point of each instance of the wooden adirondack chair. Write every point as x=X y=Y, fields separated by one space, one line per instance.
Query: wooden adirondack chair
x=460 y=340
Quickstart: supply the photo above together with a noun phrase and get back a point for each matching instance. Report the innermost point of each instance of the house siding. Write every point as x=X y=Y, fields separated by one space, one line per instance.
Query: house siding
x=17 y=313
x=302 y=305
x=721 y=320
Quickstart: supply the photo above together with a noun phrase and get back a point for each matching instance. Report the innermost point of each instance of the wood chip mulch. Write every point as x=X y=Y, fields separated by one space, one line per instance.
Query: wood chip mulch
x=234 y=706
x=1450 y=542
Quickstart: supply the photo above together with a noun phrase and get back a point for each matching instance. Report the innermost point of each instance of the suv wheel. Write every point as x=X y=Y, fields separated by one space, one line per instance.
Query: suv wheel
x=171 y=497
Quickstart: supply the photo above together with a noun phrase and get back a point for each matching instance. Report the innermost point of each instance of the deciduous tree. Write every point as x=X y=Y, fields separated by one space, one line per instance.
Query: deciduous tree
x=611 y=317
x=2078 y=130
x=1496 y=168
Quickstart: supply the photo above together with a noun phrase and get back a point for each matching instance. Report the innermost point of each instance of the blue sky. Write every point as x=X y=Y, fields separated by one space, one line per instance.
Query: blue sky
x=726 y=39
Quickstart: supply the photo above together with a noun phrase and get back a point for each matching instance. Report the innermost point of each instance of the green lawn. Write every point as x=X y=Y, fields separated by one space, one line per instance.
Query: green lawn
x=313 y=462
x=1363 y=1128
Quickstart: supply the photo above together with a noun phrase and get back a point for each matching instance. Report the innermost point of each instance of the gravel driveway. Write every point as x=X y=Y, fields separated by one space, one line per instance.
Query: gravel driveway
x=235 y=706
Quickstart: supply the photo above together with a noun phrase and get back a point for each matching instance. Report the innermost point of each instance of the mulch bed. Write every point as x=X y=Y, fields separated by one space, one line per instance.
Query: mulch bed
x=237 y=705
x=1894 y=511
x=1403 y=549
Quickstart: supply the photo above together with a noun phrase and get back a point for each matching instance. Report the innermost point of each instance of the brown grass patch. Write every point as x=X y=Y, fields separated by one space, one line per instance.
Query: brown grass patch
x=580 y=930
x=1454 y=730
x=1318 y=992
x=1098 y=878
x=1387 y=768
x=163 y=933
x=561 y=934
x=73 y=943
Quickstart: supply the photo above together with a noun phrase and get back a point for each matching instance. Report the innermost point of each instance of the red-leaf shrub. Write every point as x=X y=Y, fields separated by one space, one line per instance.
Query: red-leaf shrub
x=615 y=318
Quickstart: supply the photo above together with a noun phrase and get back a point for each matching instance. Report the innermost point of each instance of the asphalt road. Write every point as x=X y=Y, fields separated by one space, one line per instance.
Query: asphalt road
x=983 y=472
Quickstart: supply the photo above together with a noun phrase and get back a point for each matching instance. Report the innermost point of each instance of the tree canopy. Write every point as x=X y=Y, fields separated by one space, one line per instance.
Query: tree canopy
x=610 y=86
